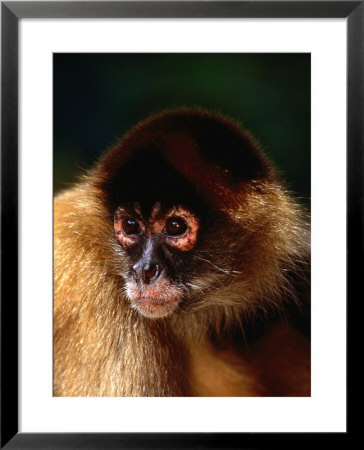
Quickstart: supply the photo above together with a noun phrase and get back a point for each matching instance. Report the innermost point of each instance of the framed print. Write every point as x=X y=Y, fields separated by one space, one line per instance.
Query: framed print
x=141 y=105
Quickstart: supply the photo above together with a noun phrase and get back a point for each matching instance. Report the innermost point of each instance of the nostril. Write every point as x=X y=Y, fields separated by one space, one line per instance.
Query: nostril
x=150 y=271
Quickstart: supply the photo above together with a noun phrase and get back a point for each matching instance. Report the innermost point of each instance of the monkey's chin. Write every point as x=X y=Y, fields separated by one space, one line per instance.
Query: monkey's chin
x=155 y=308
x=156 y=300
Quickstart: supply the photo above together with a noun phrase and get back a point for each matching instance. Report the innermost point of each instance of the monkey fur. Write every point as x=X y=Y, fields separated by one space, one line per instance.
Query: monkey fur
x=229 y=313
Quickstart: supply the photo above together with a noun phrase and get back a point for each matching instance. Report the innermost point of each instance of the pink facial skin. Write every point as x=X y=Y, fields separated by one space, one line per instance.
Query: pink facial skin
x=188 y=240
x=125 y=240
x=156 y=225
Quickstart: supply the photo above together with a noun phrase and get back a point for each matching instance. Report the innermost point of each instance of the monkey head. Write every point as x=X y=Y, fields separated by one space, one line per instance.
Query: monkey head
x=194 y=207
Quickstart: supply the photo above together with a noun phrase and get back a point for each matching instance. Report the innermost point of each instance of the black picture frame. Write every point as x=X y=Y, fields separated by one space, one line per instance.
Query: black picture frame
x=11 y=12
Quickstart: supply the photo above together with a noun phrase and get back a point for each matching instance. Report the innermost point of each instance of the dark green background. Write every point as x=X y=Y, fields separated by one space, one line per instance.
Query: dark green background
x=98 y=97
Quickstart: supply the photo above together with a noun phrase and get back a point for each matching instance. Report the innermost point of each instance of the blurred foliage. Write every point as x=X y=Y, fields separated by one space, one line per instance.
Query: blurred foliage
x=98 y=97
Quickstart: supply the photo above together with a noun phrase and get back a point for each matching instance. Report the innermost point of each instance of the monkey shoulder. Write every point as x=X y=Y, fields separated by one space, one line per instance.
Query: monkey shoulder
x=275 y=362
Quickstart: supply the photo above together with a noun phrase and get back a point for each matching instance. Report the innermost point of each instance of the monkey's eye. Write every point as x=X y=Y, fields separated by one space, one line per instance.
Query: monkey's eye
x=131 y=226
x=175 y=226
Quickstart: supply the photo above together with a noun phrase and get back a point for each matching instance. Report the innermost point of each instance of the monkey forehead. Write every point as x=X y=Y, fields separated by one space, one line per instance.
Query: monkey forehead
x=158 y=215
x=159 y=212
x=188 y=153
x=145 y=179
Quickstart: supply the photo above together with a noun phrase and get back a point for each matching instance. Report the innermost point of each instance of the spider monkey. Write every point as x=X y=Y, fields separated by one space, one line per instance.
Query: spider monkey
x=181 y=268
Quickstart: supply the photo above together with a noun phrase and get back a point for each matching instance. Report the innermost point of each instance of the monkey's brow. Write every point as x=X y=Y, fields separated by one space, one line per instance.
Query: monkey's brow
x=158 y=211
x=135 y=209
x=129 y=209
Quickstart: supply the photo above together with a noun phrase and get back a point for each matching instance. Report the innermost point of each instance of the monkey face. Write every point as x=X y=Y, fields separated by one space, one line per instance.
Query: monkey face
x=156 y=245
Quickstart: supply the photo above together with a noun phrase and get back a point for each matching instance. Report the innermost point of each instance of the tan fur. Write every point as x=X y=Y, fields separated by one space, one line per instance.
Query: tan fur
x=102 y=347
x=279 y=365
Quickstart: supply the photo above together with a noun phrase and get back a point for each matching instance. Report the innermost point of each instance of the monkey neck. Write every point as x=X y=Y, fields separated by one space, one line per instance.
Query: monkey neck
x=149 y=356
x=155 y=354
x=192 y=326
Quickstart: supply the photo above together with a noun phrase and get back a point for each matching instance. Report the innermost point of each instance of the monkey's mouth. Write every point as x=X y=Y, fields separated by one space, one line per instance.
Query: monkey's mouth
x=155 y=307
x=159 y=300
